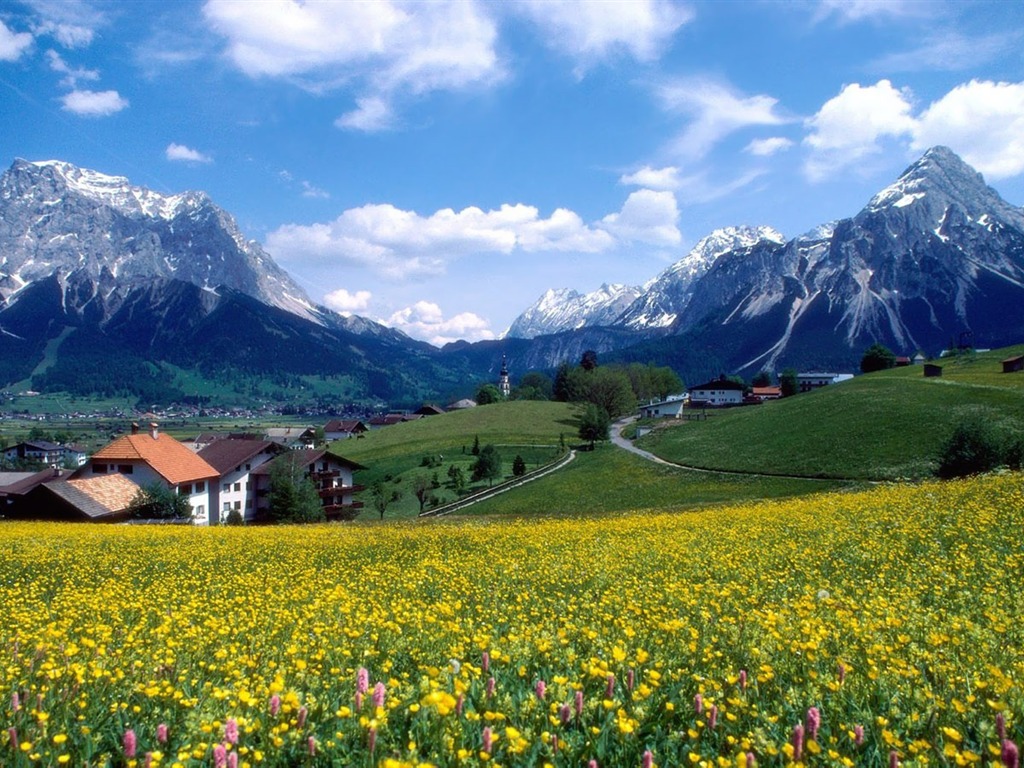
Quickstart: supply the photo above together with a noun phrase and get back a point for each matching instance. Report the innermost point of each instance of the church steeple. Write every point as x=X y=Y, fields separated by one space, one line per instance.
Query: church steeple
x=503 y=384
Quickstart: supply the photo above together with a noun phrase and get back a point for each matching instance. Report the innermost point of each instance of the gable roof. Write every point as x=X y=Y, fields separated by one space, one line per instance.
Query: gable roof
x=344 y=425
x=224 y=455
x=29 y=480
x=303 y=458
x=98 y=496
x=172 y=460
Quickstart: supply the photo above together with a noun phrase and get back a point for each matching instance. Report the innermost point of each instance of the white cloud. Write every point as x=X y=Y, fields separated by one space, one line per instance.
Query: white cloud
x=715 y=110
x=653 y=178
x=983 y=121
x=386 y=47
x=71 y=75
x=850 y=126
x=372 y=113
x=768 y=147
x=425 y=320
x=348 y=303
x=849 y=11
x=698 y=188
x=647 y=216
x=94 y=103
x=948 y=51
x=181 y=153
x=589 y=30
x=310 y=191
x=13 y=44
x=72 y=23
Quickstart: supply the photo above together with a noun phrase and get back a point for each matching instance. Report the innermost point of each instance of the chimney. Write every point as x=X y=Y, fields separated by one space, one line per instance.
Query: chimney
x=135 y=427
x=153 y=431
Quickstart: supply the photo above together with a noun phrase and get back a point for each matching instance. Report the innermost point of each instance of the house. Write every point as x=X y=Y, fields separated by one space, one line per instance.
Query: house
x=670 y=407
x=1013 y=364
x=330 y=473
x=36 y=452
x=295 y=438
x=461 y=405
x=101 y=498
x=429 y=410
x=902 y=361
x=718 y=393
x=14 y=486
x=390 y=419
x=235 y=459
x=919 y=358
x=766 y=393
x=148 y=457
x=808 y=381
x=342 y=429
x=932 y=371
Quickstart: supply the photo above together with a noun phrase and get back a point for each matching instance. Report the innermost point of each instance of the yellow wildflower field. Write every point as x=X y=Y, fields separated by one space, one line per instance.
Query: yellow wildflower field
x=868 y=628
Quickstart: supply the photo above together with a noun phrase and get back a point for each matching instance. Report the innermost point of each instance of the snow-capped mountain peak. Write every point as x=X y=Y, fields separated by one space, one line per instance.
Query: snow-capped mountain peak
x=565 y=309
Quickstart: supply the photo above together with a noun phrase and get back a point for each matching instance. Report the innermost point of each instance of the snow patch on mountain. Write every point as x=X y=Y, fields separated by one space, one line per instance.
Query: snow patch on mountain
x=566 y=309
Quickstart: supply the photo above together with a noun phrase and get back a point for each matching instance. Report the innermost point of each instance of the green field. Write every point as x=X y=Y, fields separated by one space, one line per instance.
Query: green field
x=881 y=426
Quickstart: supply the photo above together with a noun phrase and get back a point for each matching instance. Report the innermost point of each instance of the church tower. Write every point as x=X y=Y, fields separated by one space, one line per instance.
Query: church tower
x=503 y=385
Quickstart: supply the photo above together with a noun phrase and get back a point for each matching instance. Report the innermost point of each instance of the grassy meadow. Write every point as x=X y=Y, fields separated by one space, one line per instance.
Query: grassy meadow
x=882 y=426
x=867 y=628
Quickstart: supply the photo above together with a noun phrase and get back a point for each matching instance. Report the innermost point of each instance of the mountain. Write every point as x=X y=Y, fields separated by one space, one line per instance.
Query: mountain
x=566 y=310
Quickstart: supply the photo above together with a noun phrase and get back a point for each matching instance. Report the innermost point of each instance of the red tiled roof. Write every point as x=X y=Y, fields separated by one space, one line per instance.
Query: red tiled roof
x=170 y=459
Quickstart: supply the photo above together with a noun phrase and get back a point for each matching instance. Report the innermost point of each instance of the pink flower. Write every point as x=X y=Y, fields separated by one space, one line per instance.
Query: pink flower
x=275 y=705
x=894 y=760
x=540 y=689
x=161 y=733
x=798 y=743
x=379 y=692
x=487 y=738
x=743 y=679
x=220 y=756
x=490 y=687
x=813 y=722
x=858 y=734
x=371 y=740
x=12 y=736
x=579 y=703
x=630 y=679
x=1001 y=727
x=147 y=760
x=712 y=716
x=609 y=690
x=751 y=761
x=129 y=743
x=303 y=712
x=485 y=662
x=15 y=702
x=362 y=680
x=841 y=672
x=231 y=731
x=232 y=760
x=359 y=700
x=698 y=704
x=459 y=703
x=311 y=742
x=648 y=759
x=1010 y=755
x=565 y=714
x=592 y=764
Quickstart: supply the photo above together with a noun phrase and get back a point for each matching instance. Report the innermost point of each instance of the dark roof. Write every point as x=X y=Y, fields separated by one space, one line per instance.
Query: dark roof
x=1013 y=359
x=39 y=445
x=720 y=384
x=26 y=484
x=305 y=457
x=224 y=455
x=343 y=425
x=430 y=410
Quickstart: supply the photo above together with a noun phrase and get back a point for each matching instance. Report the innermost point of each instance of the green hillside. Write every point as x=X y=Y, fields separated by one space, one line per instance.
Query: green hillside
x=884 y=425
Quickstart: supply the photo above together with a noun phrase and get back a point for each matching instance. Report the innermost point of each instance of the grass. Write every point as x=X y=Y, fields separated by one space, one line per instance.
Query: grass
x=881 y=426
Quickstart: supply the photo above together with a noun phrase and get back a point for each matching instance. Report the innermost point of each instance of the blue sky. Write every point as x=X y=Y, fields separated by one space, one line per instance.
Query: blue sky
x=438 y=165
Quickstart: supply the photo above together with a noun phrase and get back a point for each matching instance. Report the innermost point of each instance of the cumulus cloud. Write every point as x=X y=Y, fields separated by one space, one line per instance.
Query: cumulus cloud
x=648 y=216
x=94 y=103
x=589 y=30
x=714 y=110
x=348 y=303
x=182 y=154
x=767 y=147
x=425 y=320
x=13 y=44
x=981 y=120
x=850 y=126
x=653 y=178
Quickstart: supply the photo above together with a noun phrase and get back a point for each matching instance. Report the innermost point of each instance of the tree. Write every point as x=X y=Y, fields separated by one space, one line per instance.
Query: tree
x=158 y=502
x=761 y=379
x=589 y=360
x=877 y=358
x=594 y=424
x=476 y=445
x=534 y=386
x=293 y=497
x=487 y=465
x=456 y=478
x=971 y=449
x=609 y=389
x=382 y=496
x=570 y=384
x=421 y=488
x=788 y=382
x=487 y=394
x=518 y=466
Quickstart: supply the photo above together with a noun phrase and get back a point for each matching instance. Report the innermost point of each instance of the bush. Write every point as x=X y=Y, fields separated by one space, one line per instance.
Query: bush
x=973 y=448
x=234 y=518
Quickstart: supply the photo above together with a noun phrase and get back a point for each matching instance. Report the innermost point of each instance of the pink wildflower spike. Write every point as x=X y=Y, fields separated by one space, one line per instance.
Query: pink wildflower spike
x=129 y=743
x=609 y=689
x=303 y=712
x=841 y=672
x=15 y=702
x=579 y=703
x=459 y=704
x=488 y=737
x=1010 y=755
x=858 y=734
x=592 y=764
x=359 y=701
x=1001 y=727
x=813 y=723
x=798 y=743
x=371 y=740
x=751 y=760
x=231 y=731
x=311 y=742
x=698 y=704
x=485 y=662
x=490 y=687
x=161 y=733
x=554 y=744
x=894 y=760
x=12 y=736
x=630 y=679
x=712 y=717
x=232 y=760
x=565 y=714
x=540 y=689
x=743 y=679
x=379 y=693
x=362 y=680
x=275 y=705
x=648 y=759
x=220 y=756
x=147 y=760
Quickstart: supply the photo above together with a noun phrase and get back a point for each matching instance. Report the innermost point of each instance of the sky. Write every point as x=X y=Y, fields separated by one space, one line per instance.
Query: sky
x=437 y=166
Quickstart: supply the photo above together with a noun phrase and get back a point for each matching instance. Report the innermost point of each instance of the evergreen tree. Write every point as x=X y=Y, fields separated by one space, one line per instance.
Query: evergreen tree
x=788 y=382
x=293 y=497
x=488 y=465
x=877 y=357
x=518 y=466
x=594 y=424
x=158 y=502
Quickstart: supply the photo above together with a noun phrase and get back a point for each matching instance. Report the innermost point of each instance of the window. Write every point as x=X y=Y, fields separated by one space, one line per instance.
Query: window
x=199 y=510
x=226 y=488
x=248 y=467
x=99 y=469
x=125 y=469
x=238 y=486
x=185 y=490
x=200 y=486
x=238 y=505
x=227 y=506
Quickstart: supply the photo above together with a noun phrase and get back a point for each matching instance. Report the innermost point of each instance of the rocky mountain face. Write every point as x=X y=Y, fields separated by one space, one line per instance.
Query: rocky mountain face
x=567 y=310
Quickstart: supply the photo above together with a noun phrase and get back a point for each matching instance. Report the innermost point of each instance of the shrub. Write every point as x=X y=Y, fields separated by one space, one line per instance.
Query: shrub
x=971 y=449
